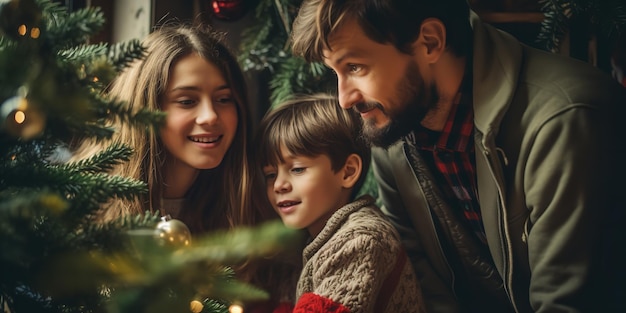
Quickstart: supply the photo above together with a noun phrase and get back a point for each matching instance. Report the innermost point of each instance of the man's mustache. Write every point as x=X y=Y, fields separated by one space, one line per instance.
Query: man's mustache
x=363 y=107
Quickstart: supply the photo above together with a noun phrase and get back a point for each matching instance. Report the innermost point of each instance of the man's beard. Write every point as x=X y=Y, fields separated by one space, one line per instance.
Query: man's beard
x=415 y=100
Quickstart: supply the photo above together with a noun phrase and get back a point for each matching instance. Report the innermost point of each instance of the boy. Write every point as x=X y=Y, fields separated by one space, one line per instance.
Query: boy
x=314 y=162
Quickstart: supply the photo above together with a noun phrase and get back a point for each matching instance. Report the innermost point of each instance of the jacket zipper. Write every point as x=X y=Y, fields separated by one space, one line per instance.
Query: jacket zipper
x=507 y=238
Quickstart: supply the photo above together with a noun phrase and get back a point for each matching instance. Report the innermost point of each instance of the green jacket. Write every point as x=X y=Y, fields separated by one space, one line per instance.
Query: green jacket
x=545 y=168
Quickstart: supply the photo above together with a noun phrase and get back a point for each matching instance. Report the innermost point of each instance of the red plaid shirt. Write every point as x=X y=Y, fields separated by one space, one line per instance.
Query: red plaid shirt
x=452 y=159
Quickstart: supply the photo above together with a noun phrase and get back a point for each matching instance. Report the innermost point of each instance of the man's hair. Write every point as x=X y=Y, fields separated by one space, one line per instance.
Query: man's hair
x=384 y=21
x=311 y=126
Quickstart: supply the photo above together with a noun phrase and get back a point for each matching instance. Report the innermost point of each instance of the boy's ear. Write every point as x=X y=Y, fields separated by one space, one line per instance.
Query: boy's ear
x=352 y=170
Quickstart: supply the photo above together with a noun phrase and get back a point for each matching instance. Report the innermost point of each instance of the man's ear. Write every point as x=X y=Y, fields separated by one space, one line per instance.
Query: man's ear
x=352 y=170
x=431 y=42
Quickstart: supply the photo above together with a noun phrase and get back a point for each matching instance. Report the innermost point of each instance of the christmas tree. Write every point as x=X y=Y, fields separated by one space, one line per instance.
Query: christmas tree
x=55 y=257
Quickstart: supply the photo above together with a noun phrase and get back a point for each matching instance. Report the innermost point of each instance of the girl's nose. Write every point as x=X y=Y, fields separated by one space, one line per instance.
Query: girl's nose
x=206 y=114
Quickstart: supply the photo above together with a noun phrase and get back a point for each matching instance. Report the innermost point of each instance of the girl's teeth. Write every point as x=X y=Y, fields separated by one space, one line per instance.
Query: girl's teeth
x=205 y=139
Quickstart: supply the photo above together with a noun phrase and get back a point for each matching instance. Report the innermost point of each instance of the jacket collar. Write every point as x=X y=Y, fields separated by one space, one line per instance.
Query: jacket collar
x=496 y=68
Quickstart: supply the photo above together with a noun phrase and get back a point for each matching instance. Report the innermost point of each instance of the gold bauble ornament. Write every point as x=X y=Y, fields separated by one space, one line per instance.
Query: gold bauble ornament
x=196 y=306
x=172 y=232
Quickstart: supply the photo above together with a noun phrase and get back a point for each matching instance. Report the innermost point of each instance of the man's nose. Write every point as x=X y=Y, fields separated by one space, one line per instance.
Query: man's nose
x=348 y=94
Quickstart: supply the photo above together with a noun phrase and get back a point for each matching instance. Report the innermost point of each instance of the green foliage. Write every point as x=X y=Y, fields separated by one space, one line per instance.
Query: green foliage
x=607 y=17
x=55 y=256
x=266 y=46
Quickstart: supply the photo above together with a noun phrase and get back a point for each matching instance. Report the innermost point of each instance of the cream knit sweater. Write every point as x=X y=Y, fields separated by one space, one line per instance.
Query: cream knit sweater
x=357 y=264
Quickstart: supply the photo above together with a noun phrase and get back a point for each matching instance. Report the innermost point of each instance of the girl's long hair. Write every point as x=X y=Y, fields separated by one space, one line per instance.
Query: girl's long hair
x=220 y=197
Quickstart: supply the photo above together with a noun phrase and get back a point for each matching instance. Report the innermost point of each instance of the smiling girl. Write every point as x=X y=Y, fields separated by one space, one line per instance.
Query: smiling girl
x=195 y=165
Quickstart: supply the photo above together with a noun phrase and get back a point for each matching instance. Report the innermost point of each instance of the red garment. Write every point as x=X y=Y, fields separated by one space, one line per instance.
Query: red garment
x=310 y=302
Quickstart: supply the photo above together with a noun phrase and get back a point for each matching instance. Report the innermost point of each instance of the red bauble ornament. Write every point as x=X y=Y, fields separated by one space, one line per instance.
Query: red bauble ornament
x=228 y=9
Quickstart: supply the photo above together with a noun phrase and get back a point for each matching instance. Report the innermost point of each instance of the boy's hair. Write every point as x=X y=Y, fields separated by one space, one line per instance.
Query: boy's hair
x=311 y=126
x=384 y=21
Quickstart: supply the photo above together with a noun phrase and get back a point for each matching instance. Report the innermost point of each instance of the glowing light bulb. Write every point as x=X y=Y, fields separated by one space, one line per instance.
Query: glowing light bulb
x=20 y=117
x=21 y=30
x=235 y=308
x=35 y=32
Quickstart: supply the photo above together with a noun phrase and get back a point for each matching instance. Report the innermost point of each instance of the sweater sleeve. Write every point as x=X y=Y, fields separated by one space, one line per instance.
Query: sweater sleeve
x=348 y=273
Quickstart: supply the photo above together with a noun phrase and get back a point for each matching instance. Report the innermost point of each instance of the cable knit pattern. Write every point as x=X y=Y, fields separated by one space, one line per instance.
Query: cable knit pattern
x=351 y=262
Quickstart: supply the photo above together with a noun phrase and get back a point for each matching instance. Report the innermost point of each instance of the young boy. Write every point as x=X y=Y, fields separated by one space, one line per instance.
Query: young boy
x=314 y=163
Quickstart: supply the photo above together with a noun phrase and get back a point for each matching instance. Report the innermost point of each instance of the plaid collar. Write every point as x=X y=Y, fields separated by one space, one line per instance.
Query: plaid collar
x=459 y=127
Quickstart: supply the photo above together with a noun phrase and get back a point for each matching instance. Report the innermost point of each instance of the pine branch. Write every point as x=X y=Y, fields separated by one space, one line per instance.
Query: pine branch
x=74 y=28
x=115 y=231
x=103 y=161
x=117 y=109
x=263 y=40
x=51 y=9
x=296 y=76
x=123 y=53
x=234 y=246
x=83 y=53
x=557 y=14
x=610 y=16
x=92 y=190
x=22 y=205
x=607 y=17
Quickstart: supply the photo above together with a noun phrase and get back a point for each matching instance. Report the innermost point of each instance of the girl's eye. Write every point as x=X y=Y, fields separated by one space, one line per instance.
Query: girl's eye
x=298 y=170
x=225 y=100
x=269 y=173
x=186 y=102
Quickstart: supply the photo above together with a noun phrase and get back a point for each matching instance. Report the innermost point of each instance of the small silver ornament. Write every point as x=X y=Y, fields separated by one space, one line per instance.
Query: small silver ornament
x=173 y=232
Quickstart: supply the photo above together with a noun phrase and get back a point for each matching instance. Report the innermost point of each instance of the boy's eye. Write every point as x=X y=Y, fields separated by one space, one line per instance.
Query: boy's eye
x=353 y=68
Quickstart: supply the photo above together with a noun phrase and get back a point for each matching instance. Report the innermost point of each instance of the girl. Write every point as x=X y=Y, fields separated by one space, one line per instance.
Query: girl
x=195 y=165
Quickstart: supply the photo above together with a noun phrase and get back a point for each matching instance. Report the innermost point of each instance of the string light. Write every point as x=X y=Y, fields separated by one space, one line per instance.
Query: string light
x=235 y=308
x=20 y=117
x=21 y=30
x=35 y=32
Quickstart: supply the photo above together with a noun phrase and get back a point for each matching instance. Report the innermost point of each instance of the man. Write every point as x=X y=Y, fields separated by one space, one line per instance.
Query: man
x=499 y=164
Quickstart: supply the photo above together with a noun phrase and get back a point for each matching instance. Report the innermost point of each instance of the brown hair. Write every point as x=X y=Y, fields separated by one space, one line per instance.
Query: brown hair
x=384 y=21
x=219 y=197
x=312 y=125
